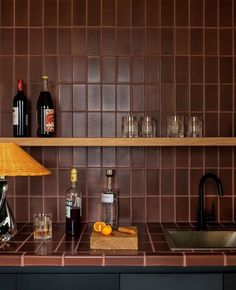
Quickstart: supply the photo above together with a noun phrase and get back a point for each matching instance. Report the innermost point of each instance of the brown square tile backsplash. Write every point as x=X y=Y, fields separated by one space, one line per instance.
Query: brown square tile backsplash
x=105 y=59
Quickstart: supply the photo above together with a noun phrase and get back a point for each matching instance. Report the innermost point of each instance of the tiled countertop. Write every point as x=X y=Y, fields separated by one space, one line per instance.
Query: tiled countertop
x=22 y=250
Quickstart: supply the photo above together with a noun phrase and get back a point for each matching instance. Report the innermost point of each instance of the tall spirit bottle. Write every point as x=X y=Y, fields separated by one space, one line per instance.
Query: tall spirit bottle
x=73 y=207
x=109 y=201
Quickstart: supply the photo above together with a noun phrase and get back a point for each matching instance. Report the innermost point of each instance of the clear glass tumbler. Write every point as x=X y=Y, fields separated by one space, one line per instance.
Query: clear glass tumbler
x=175 y=126
x=193 y=126
x=147 y=127
x=130 y=126
x=42 y=226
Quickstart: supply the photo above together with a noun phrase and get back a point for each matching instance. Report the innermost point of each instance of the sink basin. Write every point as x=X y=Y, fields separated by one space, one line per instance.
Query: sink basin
x=200 y=240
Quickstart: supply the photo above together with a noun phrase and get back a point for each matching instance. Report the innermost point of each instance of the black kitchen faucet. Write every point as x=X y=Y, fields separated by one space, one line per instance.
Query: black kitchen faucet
x=202 y=217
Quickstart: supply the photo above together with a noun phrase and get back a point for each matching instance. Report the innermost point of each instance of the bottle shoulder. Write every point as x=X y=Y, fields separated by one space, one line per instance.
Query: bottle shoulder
x=20 y=97
x=45 y=98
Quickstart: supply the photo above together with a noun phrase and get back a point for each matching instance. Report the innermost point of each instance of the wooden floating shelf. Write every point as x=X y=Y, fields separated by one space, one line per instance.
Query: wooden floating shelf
x=119 y=142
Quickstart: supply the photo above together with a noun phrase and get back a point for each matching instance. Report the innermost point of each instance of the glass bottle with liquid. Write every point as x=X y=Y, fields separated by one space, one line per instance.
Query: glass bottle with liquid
x=73 y=206
x=109 y=201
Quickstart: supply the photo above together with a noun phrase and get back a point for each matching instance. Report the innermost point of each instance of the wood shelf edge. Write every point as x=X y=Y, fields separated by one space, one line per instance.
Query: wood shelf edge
x=118 y=142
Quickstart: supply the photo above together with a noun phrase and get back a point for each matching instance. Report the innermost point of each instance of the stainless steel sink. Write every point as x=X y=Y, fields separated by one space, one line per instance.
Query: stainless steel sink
x=200 y=240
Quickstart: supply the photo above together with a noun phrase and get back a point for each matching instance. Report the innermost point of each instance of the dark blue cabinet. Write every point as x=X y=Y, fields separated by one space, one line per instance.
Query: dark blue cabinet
x=68 y=282
x=8 y=282
x=171 y=281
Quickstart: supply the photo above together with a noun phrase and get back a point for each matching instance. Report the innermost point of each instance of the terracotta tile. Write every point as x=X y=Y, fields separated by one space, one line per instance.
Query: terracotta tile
x=83 y=260
x=94 y=209
x=94 y=70
x=152 y=7
x=108 y=70
x=167 y=184
x=138 y=210
x=164 y=259
x=137 y=13
x=36 y=187
x=124 y=210
x=211 y=47
x=211 y=70
x=195 y=176
x=51 y=68
x=50 y=157
x=182 y=41
x=226 y=213
x=79 y=157
x=138 y=69
x=21 y=17
x=123 y=157
x=182 y=178
x=196 y=13
x=161 y=247
x=93 y=181
x=21 y=185
x=167 y=69
x=124 y=260
x=50 y=13
x=78 y=40
x=181 y=12
x=21 y=209
x=94 y=120
x=35 y=41
x=66 y=124
x=123 y=177
x=49 y=206
x=153 y=209
x=21 y=41
x=108 y=13
x=6 y=44
x=65 y=69
x=35 y=70
x=109 y=157
x=10 y=246
x=64 y=41
x=123 y=13
x=226 y=98
x=67 y=247
x=94 y=13
x=35 y=17
x=144 y=247
x=108 y=125
x=167 y=209
x=167 y=41
x=152 y=179
x=230 y=259
x=138 y=182
x=226 y=179
x=226 y=157
x=10 y=260
x=181 y=70
x=79 y=97
x=225 y=41
x=210 y=129
x=123 y=41
x=137 y=38
x=137 y=98
x=182 y=157
x=226 y=69
x=226 y=129
x=108 y=43
x=94 y=97
x=94 y=157
x=182 y=209
x=123 y=73
x=152 y=70
x=196 y=41
x=36 y=206
x=225 y=13
x=34 y=260
x=204 y=259
x=65 y=13
x=211 y=97
x=79 y=119
x=79 y=12
x=167 y=13
x=153 y=41
x=211 y=11
x=108 y=98
x=196 y=69
x=196 y=97
x=211 y=157
x=6 y=13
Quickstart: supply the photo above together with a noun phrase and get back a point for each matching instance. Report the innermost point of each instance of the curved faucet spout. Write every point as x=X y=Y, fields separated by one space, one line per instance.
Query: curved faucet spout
x=201 y=208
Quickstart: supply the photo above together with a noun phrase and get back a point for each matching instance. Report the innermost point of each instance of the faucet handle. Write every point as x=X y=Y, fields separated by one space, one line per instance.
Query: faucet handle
x=212 y=216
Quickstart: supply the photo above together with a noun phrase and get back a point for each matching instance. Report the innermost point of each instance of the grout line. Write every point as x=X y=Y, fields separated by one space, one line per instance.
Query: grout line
x=150 y=237
x=79 y=240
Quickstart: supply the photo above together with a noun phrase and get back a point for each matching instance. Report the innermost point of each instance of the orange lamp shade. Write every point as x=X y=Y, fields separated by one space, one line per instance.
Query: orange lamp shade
x=14 y=161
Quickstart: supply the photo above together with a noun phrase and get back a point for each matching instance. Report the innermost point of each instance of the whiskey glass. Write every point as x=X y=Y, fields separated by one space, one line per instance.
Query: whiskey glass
x=193 y=126
x=175 y=126
x=147 y=127
x=42 y=226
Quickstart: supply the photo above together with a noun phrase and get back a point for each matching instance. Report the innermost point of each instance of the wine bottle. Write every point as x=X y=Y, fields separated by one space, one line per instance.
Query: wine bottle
x=20 y=115
x=45 y=112
x=73 y=207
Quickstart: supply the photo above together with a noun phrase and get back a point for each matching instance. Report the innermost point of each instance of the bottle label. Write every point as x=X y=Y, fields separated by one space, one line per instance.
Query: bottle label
x=49 y=120
x=107 y=198
x=26 y=120
x=68 y=208
x=15 y=116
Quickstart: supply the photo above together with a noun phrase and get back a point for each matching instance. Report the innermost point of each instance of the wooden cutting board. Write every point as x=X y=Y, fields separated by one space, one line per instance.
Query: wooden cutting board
x=115 y=241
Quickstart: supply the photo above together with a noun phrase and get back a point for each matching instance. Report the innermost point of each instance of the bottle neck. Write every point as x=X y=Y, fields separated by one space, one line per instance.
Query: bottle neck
x=20 y=86
x=45 y=85
x=109 y=183
x=73 y=184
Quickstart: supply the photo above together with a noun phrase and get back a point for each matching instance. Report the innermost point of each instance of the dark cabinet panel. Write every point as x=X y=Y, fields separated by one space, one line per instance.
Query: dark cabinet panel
x=230 y=281
x=68 y=282
x=7 y=282
x=171 y=281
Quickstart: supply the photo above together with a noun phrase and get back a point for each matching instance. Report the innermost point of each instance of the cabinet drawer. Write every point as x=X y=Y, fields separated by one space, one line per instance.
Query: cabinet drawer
x=171 y=281
x=68 y=282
